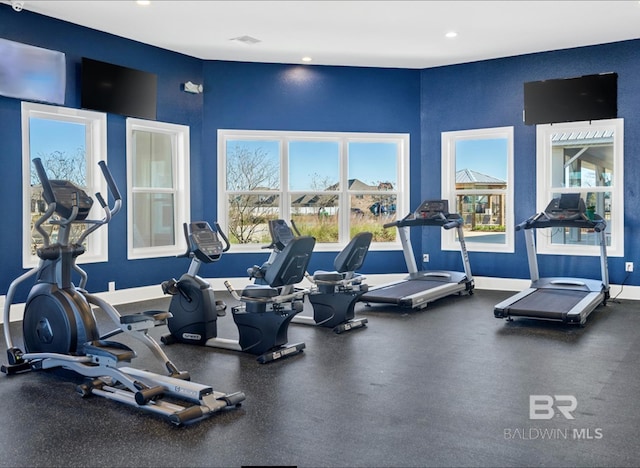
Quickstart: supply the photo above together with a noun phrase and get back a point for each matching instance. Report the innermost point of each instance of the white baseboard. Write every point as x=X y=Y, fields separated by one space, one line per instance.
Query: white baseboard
x=125 y=296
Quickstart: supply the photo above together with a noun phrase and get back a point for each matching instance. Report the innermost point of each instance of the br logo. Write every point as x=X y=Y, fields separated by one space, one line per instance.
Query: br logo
x=545 y=406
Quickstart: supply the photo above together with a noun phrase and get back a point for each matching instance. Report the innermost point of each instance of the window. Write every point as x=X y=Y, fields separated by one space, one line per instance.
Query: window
x=158 y=188
x=332 y=185
x=70 y=143
x=477 y=179
x=585 y=158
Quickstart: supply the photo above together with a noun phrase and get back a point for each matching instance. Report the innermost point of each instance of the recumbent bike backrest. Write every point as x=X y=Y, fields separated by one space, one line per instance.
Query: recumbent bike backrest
x=290 y=265
x=352 y=256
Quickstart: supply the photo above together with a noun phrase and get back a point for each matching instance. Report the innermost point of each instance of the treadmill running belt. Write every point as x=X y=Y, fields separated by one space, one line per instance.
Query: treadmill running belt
x=547 y=303
x=394 y=293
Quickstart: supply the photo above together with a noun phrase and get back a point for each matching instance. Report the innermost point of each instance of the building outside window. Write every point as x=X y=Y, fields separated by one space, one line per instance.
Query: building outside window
x=477 y=175
x=332 y=185
x=70 y=143
x=584 y=158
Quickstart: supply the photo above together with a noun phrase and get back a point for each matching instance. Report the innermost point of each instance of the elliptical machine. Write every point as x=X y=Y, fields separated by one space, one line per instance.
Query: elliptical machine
x=263 y=318
x=334 y=293
x=59 y=325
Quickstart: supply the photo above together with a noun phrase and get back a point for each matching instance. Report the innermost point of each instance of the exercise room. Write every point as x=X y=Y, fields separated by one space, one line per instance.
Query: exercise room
x=310 y=233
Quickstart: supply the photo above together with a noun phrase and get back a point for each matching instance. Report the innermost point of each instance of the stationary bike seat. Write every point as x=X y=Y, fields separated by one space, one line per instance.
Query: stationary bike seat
x=256 y=291
x=329 y=276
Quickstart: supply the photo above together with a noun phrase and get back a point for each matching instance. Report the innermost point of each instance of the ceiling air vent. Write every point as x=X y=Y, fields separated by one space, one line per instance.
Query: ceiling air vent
x=246 y=40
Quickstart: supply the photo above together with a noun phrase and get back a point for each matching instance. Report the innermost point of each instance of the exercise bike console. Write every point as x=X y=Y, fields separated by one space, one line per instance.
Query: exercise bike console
x=204 y=242
x=264 y=316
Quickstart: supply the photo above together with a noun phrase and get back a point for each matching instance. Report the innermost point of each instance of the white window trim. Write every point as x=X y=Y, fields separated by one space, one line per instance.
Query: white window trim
x=344 y=138
x=181 y=167
x=96 y=146
x=544 y=190
x=448 y=183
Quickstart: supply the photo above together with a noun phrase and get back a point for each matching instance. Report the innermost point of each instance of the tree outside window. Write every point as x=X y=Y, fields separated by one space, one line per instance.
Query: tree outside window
x=330 y=185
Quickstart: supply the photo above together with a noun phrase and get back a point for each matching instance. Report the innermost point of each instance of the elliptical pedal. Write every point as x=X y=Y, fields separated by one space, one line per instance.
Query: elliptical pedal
x=60 y=332
x=112 y=351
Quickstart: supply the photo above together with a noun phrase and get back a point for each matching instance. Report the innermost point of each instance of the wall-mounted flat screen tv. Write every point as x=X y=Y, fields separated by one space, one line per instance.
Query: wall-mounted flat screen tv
x=590 y=97
x=32 y=73
x=120 y=90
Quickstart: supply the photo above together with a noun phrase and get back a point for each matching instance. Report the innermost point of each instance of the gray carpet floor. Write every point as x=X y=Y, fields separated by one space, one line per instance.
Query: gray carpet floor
x=449 y=385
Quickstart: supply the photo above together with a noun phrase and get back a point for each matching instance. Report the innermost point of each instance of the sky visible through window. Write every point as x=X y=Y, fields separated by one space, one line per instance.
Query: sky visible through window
x=316 y=163
x=368 y=162
x=486 y=156
x=48 y=136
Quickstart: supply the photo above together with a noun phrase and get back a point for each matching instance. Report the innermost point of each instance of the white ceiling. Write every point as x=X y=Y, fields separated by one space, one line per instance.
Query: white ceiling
x=399 y=34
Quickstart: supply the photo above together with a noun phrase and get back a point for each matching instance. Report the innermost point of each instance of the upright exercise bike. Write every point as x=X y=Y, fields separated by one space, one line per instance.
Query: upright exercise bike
x=265 y=313
x=59 y=325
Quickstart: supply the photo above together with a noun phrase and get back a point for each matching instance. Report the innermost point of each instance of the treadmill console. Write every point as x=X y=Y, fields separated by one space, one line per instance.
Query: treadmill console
x=204 y=242
x=568 y=206
x=432 y=209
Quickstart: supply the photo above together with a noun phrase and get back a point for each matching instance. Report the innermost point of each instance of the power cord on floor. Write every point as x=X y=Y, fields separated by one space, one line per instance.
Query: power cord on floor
x=624 y=281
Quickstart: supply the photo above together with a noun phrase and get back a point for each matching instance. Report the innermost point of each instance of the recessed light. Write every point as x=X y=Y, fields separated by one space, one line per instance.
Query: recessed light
x=143 y=2
x=451 y=34
x=306 y=59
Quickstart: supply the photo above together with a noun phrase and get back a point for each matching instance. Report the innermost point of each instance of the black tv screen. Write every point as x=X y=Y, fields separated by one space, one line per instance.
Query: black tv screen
x=32 y=73
x=120 y=90
x=590 y=97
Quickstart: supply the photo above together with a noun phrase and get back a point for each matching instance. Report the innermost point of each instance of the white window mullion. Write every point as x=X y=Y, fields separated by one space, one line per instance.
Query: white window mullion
x=95 y=142
x=178 y=192
x=502 y=163
x=548 y=187
x=305 y=180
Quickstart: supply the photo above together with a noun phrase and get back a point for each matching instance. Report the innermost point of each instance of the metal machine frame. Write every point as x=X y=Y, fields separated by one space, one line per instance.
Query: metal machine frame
x=60 y=330
x=563 y=299
x=424 y=286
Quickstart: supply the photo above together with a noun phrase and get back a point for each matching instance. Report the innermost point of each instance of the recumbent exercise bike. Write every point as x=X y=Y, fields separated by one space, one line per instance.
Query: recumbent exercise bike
x=334 y=293
x=265 y=313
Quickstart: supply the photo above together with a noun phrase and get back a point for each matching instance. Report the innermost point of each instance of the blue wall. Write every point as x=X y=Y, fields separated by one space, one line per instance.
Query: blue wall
x=303 y=98
x=490 y=94
x=237 y=95
x=174 y=106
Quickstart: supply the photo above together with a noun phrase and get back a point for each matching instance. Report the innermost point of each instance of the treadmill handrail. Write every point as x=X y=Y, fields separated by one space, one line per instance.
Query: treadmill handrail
x=541 y=220
x=448 y=221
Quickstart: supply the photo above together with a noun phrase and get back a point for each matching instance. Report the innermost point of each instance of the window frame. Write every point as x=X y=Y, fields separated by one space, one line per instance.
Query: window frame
x=450 y=193
x=402 y=140
x=545 y=191
x=95 y=151
x=181 y=186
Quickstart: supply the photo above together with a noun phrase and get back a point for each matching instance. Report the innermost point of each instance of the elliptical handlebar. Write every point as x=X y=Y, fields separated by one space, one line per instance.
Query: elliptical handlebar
x=92 y=225
x=113 y=188
x=115 y=192
x=49 y=196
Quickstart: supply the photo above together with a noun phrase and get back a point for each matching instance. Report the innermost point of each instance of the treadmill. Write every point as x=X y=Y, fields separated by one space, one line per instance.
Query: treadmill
x=567 y=300
x=421 y=287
